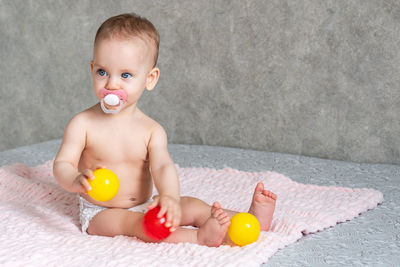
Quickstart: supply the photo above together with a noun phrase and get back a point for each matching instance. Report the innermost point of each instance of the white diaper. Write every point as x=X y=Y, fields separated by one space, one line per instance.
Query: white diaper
x=89 y=210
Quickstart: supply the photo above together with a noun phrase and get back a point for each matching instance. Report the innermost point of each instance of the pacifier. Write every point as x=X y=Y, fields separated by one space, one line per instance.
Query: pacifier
x=113 y=98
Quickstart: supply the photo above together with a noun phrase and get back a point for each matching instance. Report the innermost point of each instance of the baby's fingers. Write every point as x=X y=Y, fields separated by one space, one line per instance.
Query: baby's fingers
x=163 y=210
x=153 y=204
x=84 y=182
x=173 y=218
x=83 y=179
x=88 y=174
x=175 y=223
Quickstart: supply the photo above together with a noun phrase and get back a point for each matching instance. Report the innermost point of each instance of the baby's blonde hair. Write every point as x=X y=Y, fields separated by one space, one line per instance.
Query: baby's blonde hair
x=127 y=26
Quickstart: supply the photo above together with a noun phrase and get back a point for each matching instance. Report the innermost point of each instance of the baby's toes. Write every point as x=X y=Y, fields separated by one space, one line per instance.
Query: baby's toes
x=225 y=220
x=216 y=213
x=269 y=194
x=216 y=207
x=222 y=215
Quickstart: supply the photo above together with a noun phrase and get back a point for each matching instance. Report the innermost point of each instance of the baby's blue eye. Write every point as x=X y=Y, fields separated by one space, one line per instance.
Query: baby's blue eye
x=102 y=72
x=126 y=75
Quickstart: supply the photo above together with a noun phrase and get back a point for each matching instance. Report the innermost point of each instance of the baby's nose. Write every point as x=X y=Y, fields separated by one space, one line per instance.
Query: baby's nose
x=112 y=84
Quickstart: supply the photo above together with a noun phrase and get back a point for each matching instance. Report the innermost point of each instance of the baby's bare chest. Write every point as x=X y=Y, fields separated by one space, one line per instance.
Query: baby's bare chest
x=117 y=144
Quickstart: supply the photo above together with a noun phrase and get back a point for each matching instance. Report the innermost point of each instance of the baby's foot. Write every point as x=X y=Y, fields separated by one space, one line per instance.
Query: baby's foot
x=213 y=231
x=263 y=206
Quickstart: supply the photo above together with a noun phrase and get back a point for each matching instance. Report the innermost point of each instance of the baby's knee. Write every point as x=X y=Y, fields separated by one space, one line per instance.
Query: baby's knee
x=91 y=230
x=194 y=204
x=192 y=200
x=97 y=226
x=189 y=201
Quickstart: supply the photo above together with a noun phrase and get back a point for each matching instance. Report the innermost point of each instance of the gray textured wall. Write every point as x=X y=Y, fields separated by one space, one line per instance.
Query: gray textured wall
x=318 y=78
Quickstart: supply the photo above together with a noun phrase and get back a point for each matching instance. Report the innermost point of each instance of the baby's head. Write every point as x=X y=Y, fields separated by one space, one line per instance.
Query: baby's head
x=128 y=26
x=124 y=61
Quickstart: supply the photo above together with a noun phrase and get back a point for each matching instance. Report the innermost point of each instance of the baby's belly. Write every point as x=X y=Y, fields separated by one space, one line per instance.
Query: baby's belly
x=135 y=187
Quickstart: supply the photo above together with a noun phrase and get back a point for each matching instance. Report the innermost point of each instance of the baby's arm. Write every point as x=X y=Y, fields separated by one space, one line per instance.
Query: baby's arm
x=65 y=168
x=165 y=177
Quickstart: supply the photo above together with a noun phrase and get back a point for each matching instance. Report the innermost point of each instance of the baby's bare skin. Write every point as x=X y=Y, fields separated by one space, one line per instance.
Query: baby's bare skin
x=134 y=146
x=263 y=206
x=213 y=231
x=129 y=142
x=125 y=154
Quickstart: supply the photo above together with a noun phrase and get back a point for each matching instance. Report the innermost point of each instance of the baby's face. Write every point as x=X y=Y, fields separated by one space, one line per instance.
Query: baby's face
x=123 y=67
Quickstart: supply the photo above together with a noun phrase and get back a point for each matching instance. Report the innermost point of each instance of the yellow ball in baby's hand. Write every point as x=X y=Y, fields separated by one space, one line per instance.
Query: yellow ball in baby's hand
x=105 y=185
x=244 y=229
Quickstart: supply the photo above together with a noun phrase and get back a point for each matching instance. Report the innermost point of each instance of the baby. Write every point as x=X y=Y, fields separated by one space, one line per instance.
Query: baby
x=117 y=135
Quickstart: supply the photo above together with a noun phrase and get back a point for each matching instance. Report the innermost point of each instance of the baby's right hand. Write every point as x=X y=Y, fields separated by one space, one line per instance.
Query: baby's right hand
x=81 y=184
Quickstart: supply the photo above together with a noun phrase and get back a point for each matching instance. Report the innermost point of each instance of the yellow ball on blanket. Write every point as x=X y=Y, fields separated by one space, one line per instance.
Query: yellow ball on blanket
x=244 y=229
x=105 y=185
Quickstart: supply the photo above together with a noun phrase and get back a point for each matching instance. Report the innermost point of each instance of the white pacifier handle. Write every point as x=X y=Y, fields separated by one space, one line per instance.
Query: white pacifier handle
x=111 y=100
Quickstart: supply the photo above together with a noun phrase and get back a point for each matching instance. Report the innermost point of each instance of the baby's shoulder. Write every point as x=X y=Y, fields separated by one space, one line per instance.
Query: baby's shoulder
x=149 y=123
x=151 y=126
x=81 y=119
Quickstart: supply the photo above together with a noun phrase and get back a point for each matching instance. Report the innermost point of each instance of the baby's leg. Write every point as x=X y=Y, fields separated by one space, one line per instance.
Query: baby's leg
x=196 y=212
x=212 y=221
x=263 y=206
x=113 y=222
x=211 y=232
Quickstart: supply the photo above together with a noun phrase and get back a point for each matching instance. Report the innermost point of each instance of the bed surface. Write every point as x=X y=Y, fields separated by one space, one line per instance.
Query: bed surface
x=372 y=239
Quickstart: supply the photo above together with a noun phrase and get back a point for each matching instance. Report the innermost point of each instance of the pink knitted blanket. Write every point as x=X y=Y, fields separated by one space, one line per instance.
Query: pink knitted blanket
x=40 y=225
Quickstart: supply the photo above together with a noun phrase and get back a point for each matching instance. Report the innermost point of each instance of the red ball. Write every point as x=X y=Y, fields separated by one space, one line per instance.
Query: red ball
x=155 y=227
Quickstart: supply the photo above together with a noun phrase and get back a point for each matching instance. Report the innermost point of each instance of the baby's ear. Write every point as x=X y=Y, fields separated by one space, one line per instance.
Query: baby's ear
x=152 y=79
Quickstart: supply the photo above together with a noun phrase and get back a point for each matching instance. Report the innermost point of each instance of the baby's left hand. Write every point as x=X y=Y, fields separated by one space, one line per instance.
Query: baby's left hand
x=170 y=206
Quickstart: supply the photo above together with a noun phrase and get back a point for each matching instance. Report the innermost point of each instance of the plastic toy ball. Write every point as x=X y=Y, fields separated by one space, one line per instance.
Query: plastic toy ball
x=155 y=227
x=105 y=185
x=244 y=229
